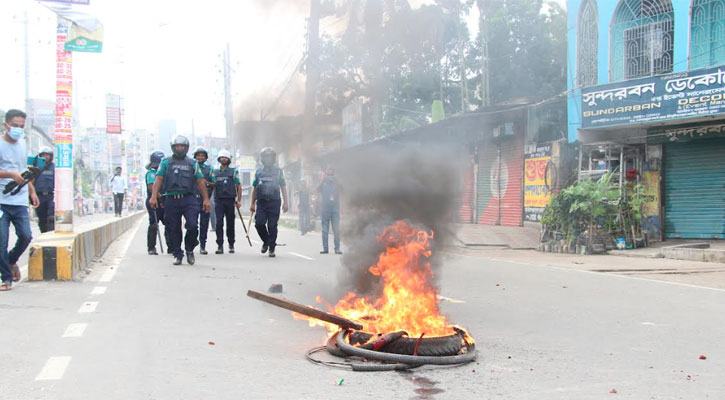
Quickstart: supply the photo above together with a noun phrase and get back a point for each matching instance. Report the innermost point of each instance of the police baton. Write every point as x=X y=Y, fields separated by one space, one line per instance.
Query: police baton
x=158 y=230
x=246 y=232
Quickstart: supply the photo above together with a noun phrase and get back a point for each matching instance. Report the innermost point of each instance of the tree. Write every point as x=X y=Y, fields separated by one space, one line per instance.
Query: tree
x=526 y=42
x=401 y=60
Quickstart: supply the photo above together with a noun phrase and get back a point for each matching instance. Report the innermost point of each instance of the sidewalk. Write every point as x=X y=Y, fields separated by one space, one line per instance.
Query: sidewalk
x=517 y=237
x=697 y=273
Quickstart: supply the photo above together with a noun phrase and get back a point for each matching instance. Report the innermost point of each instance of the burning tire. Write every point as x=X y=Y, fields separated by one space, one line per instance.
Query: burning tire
x=433 y=346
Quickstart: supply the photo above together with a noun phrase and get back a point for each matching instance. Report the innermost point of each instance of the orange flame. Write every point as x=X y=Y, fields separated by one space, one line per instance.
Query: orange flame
x=408 y=300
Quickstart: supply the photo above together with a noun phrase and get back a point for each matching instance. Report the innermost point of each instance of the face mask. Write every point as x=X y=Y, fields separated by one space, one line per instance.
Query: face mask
x=15 y=133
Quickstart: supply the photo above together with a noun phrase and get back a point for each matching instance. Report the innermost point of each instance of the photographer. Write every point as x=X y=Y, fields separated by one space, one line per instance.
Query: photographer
x=14 y=207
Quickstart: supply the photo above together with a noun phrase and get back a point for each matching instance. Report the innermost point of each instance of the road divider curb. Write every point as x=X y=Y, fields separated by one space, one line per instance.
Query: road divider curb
x=64 y=256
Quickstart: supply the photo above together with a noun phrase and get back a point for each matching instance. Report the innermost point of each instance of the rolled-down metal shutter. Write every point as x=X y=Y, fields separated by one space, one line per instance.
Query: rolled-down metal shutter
x=512 y=194
x=695 y=189
x=465 y=212
x=501 y=182
x=487 y=196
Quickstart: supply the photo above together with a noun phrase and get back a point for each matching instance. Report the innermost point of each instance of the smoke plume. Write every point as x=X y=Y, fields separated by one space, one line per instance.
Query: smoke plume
x=421 y=185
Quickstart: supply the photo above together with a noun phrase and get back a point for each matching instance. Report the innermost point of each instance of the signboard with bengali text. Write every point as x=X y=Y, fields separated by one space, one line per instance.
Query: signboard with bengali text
x=536 y=193
x=692 y=94
x=113 y=114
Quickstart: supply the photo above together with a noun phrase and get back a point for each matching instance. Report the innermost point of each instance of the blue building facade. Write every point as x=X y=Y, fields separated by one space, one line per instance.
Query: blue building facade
x=646 y=101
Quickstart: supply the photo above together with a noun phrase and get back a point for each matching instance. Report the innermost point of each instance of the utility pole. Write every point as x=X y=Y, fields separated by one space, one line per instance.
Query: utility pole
x=485 y=70
x=228 y=100
x=462 y=63
x=313 y=60
x=28 y=102
x=312 y=80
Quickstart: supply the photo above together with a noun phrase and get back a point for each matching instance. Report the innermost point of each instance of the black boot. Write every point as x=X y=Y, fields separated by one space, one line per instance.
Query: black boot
x=152 y=252
x=190 y=257
x=202 y=250
x=271 y=252
x=177 y=261
x=264 y=248
x=219 y=250
x=231 y=248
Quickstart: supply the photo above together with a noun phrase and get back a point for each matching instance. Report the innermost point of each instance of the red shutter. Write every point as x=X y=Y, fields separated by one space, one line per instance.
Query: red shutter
x=465 y=212
x=501 y=181
x=512 y=197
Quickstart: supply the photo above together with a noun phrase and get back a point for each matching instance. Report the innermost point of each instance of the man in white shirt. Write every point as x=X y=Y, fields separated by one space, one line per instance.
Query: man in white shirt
x=118 y=187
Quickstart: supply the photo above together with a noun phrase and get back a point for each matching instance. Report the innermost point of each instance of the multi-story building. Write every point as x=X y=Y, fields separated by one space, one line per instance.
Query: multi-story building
x=647 y=102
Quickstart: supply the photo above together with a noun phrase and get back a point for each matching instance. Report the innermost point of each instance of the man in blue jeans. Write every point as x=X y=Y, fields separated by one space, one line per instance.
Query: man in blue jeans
x=329 y=192
x=14 y=207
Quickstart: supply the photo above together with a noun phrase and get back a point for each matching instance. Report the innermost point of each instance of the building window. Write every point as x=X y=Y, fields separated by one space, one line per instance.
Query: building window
x=642 y=39
x=707 y=36
x=587 y=44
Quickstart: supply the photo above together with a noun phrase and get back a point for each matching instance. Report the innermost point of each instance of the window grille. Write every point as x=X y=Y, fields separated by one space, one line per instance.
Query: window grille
x=707 y=35
x=587 y=44
x=642 y=39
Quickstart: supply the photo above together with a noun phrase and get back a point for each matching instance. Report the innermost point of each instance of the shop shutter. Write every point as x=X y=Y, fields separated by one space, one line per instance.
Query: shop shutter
x=487 y=197
x=694 y=198
x=501 y=181
x=465 y=212
x=512 y=170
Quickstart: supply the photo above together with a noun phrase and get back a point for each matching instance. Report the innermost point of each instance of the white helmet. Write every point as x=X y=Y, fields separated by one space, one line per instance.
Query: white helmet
x=224 y=153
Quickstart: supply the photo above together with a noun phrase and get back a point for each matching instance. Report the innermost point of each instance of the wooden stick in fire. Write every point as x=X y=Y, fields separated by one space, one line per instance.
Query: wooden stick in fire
x=305 y=310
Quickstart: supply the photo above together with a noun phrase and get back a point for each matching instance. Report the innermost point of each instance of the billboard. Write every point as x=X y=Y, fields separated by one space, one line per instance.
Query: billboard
x=537 y=192
x=692 y=94
x=113 y=114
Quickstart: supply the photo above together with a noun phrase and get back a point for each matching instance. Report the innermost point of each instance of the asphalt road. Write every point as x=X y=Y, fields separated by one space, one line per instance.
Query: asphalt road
x=141 y=328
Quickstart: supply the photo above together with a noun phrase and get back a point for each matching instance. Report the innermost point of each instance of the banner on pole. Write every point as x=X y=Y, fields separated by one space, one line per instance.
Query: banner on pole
x=113 y=114
x=85 y=41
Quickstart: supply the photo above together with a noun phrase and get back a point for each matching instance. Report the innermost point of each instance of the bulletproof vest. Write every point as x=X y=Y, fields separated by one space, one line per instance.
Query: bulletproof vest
x=206 y=171
x=225 y=186
x=46 y=181
x=180 y=177
x=268 y=184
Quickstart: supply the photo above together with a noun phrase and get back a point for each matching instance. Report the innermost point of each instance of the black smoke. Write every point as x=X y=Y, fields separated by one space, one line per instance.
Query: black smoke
x=384 y=184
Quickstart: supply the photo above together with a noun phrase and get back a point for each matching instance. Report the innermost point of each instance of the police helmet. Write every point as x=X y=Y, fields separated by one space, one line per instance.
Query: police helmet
x=200 y=149
x=155 y=159
x=224 y=153
x=46 y=150
x=182 y=140
x=268 y=156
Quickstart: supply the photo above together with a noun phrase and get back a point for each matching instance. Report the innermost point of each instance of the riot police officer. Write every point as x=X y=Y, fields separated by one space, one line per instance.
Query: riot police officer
x=201 y=156
x=227 y=197
x=45 y=186
x=156 y=215
x=179 y=174
x=269 y=191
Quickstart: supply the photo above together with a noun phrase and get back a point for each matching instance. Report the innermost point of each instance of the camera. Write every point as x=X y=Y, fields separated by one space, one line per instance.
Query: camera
x=36 y=165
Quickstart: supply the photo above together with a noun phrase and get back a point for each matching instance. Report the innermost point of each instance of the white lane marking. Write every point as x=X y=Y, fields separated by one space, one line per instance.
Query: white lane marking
x=108 y=275
x=54 y=368
x=75 y=330
x=301 y=256
x=614 y=275
x=88 y=307
x=98 y=290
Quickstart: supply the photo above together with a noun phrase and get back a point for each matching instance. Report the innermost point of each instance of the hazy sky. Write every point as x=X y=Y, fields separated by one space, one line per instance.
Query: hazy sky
x=163 y=57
